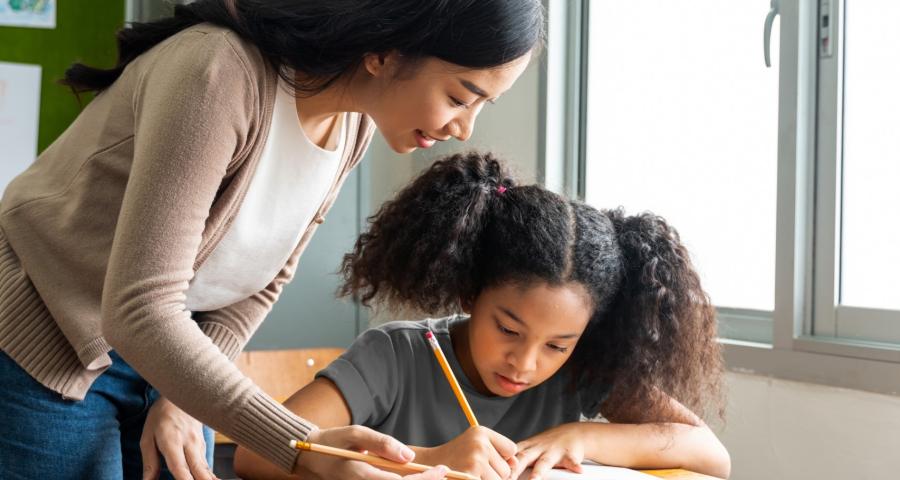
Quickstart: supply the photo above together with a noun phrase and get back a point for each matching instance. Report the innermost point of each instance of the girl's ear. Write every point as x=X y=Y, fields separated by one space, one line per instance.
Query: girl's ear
x=381 y=64
x=466 y=304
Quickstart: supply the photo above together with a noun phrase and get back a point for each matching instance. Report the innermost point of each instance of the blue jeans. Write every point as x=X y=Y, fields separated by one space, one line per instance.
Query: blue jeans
x=44 y=437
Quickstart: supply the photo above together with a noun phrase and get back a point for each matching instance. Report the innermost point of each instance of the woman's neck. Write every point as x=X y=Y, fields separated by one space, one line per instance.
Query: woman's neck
x=318 y=113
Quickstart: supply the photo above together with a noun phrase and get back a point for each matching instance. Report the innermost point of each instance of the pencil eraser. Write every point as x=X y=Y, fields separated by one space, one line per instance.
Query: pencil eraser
x=428 y=334
x=293 y=444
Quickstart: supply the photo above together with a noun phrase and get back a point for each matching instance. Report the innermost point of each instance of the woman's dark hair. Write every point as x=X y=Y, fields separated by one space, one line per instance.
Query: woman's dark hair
x=327 y=39
x=464 y=225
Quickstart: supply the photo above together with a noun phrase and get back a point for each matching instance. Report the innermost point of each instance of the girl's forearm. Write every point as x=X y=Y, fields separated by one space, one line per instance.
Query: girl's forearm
x=656 y=445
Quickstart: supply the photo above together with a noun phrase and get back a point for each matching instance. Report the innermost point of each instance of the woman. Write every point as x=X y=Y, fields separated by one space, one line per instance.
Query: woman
x=147 y=243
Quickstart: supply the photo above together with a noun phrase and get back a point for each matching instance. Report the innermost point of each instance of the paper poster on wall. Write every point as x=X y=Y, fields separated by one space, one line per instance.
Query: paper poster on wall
x=20 y=100
x=28 y=13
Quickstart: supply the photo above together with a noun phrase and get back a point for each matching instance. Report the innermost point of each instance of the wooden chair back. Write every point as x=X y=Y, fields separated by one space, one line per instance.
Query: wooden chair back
x=280 y=373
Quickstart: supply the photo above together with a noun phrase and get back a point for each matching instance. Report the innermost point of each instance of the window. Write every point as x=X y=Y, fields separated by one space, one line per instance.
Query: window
x=682 y=121
x=782 y=181
x=857 y=288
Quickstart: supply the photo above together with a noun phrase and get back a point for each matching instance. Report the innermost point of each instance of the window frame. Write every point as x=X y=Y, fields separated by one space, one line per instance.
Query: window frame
x=798 y=339
x=831 y=319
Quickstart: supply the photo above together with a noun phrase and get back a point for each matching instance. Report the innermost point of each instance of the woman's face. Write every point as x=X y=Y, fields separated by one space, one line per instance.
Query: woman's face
x=431 y=100
x=518 y=337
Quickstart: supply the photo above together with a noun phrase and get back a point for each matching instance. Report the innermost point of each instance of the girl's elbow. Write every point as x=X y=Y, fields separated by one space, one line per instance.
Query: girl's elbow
x=720 y=464
x=702 y=451
x=716 y=460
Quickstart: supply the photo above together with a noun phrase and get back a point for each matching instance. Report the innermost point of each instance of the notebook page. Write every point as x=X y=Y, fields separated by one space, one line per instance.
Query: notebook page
x=592 y=472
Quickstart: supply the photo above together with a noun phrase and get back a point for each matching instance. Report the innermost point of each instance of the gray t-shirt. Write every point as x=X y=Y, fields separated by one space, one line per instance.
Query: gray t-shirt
x=393 y=384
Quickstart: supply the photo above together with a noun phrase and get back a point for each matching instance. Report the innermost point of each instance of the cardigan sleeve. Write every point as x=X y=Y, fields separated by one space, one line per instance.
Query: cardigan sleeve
x=194 y=107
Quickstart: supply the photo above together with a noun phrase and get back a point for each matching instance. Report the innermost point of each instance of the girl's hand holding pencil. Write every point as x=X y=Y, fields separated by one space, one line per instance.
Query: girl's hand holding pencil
x=478 y=451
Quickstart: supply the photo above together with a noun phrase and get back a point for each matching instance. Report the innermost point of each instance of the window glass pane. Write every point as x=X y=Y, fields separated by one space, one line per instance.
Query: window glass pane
x=870 y=253
x=682 y=121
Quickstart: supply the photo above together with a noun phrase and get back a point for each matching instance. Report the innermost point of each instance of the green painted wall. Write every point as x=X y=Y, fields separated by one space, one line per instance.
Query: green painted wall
x=85 y=31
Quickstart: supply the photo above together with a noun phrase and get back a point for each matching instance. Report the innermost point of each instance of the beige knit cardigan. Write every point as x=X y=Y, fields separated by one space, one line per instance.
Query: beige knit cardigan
x=100 y=237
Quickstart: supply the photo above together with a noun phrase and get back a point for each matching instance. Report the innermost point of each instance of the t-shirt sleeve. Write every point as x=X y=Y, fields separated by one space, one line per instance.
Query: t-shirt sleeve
x=367 y=376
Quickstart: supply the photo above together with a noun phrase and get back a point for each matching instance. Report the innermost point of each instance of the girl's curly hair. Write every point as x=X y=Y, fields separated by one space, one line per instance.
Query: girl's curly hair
x=465 y=225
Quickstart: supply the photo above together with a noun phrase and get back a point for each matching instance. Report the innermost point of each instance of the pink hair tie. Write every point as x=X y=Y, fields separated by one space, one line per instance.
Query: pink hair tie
x=501 y=190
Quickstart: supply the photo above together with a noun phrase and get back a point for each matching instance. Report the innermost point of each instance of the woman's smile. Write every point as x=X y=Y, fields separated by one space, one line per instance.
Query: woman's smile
x=424 y=141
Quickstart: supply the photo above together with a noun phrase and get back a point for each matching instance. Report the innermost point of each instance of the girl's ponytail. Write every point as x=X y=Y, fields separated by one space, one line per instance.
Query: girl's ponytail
x=663 y=323
x=422 y=247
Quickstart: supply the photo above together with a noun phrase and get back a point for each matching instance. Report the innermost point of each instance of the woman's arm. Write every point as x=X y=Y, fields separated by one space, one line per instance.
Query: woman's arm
x=320 y=402
x=194 y=111
x=682 y=442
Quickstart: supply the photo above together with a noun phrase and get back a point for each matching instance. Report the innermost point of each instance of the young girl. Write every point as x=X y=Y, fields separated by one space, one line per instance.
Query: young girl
x=570 y=312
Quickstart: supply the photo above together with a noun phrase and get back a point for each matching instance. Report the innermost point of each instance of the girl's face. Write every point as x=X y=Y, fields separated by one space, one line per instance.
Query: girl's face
x=434 y=100
x=519 y=337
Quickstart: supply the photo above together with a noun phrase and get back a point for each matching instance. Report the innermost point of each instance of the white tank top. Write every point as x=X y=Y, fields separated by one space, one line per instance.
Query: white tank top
x=289 y=185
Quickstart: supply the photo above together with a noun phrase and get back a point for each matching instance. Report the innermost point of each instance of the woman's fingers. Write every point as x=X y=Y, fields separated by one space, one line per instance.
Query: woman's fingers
x=149 y=457
x=360 y=439
x=196 y=461
x=357 y=470
x=376 y=443
x=185 y=455
x=367 y=472
x=436 y=473
x=175 y=460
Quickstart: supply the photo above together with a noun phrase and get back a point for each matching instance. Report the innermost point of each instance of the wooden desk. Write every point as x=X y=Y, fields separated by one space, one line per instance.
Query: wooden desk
x=679 y=474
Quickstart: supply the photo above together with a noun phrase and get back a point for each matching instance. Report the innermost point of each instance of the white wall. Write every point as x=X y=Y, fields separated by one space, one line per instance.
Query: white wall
x=777 y=429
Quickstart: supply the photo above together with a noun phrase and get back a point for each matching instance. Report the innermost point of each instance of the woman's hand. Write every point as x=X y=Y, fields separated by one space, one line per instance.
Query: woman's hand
x=176 y=435
x=359 y=439
x=561 y=446
x=478 y=451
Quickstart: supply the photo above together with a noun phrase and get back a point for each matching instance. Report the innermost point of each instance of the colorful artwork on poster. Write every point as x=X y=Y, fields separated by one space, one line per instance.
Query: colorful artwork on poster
x=20 y=100
x=28 y=13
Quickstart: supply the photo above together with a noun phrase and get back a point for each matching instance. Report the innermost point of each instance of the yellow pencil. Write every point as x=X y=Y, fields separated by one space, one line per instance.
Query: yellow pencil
x=373 y=460
x=442 y=360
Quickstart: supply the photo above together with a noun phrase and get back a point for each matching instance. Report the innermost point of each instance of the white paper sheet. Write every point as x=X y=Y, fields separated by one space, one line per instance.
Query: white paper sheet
x=20 y=99
x=593 y=472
